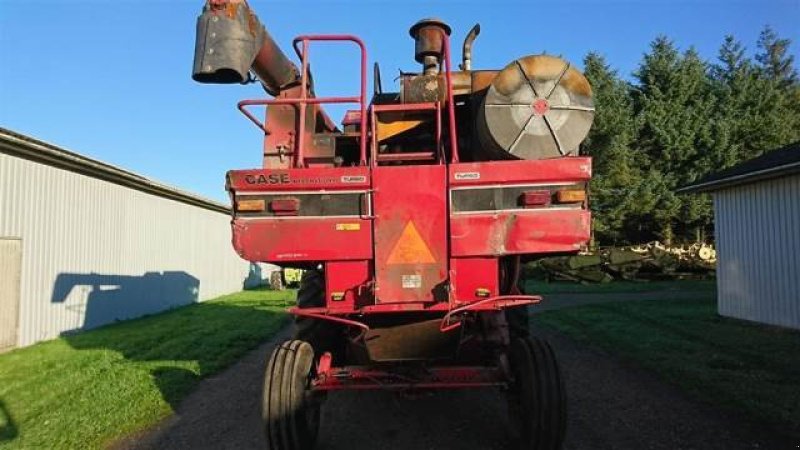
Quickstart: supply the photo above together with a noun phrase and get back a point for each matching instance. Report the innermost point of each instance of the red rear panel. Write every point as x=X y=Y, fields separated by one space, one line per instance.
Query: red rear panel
x=520 y=232
x=316 y=214
x=490 y=218
x=281 y=240
x=410 y=206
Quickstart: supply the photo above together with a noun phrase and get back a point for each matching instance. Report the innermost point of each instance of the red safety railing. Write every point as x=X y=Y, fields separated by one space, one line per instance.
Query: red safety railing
x=451 y=104
x=304 y=100
x=410 y=107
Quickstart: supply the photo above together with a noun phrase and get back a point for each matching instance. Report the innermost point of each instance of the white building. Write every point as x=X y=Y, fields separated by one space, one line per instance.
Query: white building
x=757 y=227
x=84 y=243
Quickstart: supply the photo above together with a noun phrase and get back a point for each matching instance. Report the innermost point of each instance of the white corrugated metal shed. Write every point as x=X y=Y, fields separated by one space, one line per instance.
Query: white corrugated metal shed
x=757 y=228
x=100 y=244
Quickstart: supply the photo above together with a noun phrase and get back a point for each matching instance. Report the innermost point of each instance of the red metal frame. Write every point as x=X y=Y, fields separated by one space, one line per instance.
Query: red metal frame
x=303 y=101
x=451 y=105
x=492 y=303
x=367 y=378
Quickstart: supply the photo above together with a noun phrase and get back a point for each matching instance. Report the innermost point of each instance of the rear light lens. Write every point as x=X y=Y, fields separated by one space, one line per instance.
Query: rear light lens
x=250 y=205
x=571 y=196
x=285 y=206
x=535 y=198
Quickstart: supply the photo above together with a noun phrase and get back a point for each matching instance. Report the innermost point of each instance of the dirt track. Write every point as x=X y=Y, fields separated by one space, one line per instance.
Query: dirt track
x=611 y=406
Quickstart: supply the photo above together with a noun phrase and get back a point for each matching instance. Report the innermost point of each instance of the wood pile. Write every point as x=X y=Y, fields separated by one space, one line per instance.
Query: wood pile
x=652 y=261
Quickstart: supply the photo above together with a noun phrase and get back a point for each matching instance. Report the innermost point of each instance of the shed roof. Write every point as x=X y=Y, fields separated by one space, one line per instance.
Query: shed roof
x=772 y=164
x=23 y=146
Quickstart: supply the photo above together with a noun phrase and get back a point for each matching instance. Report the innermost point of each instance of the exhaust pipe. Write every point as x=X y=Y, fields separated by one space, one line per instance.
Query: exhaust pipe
x=466 y=53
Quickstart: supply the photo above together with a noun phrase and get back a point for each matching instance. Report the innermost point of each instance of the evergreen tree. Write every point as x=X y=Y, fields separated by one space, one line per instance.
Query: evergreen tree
x=676 y=104
x=616 y=164
x=780 y=111
x=681 y=119
x=774 y=58
x=737 y=90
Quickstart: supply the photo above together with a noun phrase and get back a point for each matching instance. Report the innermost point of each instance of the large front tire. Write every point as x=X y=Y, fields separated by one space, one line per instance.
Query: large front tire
x=289 y=411
x=537 y=397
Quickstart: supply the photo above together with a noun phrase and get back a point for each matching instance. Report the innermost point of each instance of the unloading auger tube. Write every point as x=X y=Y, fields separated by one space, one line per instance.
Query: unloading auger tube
x=231 y=41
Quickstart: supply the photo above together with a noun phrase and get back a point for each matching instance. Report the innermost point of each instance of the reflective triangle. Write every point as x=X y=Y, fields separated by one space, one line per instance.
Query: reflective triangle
x=410 y=248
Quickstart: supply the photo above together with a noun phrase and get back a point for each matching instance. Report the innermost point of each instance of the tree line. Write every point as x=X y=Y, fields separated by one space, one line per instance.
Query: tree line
x=677 y=119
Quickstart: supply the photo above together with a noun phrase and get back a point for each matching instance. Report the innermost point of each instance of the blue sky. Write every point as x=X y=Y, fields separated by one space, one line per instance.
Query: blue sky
x=111 y=79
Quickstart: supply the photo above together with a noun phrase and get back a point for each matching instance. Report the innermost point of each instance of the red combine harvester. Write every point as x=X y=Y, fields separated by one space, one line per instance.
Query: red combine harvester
x=411 y=220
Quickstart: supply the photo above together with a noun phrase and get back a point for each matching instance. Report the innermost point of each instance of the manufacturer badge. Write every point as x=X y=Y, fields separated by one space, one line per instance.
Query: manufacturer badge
x=467 y=175
x=354 y=179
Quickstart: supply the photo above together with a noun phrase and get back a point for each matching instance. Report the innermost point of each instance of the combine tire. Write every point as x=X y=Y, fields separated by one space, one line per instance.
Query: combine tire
x=537 y=398
x=289 y=410
x=311 y=295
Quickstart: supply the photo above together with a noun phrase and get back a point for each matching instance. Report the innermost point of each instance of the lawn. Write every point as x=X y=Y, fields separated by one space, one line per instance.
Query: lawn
x=742 y=367
x=535 y=286
x=87 y=390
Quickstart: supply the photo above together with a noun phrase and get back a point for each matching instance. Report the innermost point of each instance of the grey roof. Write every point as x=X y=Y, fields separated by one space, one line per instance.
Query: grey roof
x=776 y=163
x=26 y=147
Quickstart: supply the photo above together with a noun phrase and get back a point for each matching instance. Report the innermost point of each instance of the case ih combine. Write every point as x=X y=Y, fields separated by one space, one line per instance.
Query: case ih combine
x=412 y=218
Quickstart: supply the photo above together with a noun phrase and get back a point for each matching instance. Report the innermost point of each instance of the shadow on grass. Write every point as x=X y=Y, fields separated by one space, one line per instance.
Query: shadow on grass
x=178 y=347
x=8 y=428
x=181 y=347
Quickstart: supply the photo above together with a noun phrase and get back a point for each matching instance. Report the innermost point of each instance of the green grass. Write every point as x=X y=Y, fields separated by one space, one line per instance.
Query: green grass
x=742 y=367
x=564 y=287
x=87 y=390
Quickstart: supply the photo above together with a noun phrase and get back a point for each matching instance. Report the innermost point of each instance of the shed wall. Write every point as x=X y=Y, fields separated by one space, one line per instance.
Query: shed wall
x=94 y=252
x=758 y=244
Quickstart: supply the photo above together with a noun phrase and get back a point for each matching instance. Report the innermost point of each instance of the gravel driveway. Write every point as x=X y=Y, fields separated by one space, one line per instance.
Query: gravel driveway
x=611 y=406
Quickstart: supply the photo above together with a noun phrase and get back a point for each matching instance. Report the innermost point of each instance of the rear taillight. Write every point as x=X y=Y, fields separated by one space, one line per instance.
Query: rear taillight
x=250 y=205
x=535 y=198
x=285 y=206
x=571 y=196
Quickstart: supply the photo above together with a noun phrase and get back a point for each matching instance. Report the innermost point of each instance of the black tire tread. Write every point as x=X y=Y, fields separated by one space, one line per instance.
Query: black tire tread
x=283 y=401
x=540 y=390
x=272 y=399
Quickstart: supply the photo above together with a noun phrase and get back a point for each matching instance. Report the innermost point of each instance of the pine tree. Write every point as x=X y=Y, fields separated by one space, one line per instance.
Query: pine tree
x=681 y=119
x=780 y=107
x=774 y=58
x=737 y=90
x=676 y=104
x=616 y=164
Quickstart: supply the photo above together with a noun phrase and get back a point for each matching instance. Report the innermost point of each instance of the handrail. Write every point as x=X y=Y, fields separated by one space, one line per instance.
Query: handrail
x=491 y=303
x=304 y=100
x=451 y=107
x=303 y=55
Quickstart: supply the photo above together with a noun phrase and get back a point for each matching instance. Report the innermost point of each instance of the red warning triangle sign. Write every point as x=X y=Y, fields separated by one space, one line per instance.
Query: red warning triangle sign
x=410 y=248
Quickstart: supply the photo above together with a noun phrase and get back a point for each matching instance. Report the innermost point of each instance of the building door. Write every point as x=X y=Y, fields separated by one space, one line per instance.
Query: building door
x=10 y=270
